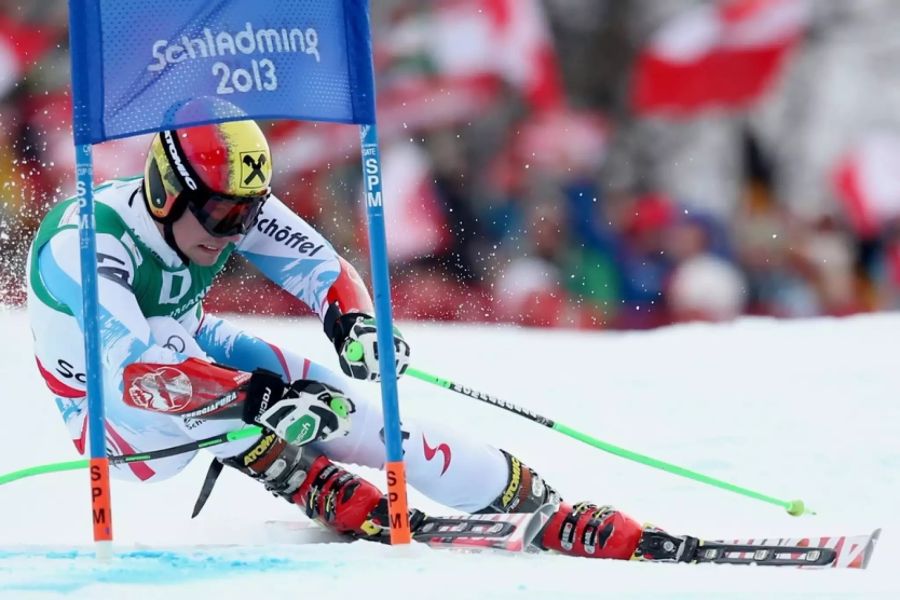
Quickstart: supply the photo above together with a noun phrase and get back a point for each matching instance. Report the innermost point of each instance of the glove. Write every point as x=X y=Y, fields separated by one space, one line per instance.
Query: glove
x=356 y=341
x=301 y=412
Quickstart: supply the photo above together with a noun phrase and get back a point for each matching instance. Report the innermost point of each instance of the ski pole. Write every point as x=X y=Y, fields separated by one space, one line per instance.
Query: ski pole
x=793 y=507
x=72 y=465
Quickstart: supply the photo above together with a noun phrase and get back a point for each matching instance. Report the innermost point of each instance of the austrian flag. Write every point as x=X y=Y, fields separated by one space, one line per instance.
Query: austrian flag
x=866 y=180
x=724 y=54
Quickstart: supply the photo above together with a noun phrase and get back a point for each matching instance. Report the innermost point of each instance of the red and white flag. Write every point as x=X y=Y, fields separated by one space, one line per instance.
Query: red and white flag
x=725 y=54
x=443 y=64
x=524 y=50
x=21 y=45
x=413 y=212
x=440 y=65
x=867 y=182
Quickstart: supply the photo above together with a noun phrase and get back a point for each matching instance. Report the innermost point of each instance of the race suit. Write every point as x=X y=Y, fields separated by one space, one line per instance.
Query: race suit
x=151 y=310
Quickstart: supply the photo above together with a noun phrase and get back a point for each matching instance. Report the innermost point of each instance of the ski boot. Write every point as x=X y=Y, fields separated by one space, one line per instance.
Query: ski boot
x=582 y=530
x=591 y=531
x=525 y=490
x=347 y=503
x=328 y=494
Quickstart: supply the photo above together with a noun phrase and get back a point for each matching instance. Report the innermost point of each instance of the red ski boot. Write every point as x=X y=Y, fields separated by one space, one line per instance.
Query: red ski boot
x=329 y=494
x=582 y=530
x=347 y=503
x=591 y=531
x=337 y=498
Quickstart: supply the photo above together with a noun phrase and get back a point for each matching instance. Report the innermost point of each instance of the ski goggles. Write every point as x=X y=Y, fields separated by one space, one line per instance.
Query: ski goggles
x=223 y=215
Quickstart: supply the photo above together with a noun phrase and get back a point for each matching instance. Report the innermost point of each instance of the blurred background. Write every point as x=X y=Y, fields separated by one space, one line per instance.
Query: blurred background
x=595 y=164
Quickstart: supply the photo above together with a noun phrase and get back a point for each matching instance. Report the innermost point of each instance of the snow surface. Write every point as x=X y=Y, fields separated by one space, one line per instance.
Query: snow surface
x=807 y=409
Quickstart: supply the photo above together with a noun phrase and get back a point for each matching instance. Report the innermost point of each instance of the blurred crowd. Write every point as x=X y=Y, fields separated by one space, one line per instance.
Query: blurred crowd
x=536 y=172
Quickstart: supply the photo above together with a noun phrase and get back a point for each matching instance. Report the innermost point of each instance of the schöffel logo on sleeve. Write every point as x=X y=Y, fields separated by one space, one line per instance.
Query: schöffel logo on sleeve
x=284 y=234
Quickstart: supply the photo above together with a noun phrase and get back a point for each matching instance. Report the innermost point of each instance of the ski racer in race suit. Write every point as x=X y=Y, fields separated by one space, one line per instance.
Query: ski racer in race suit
x=161 y=240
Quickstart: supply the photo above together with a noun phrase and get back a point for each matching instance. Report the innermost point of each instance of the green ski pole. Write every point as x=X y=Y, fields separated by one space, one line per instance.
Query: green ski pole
x=793 y=507
x=72 y=465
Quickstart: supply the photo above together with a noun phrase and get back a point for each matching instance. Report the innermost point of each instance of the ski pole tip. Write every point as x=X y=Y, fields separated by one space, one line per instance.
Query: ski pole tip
x=797 y=508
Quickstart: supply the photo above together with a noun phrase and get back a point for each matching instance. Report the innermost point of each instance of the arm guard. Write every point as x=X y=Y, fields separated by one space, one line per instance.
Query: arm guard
x=347 y=295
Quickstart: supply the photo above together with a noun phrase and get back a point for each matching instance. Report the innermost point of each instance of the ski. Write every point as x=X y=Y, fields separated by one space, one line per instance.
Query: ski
x=505 y=532
x=516 y=532
x=510 y=532
x=850 y=552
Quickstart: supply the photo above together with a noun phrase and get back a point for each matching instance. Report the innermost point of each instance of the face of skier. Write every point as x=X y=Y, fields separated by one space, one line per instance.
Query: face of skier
x=199 y=246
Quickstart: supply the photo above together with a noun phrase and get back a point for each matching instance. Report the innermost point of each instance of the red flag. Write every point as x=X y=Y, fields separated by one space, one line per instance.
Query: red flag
x=867 y=182
x=725 y=54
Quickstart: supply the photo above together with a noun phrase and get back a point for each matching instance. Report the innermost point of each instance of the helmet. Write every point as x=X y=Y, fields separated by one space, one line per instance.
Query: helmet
x=220 y=172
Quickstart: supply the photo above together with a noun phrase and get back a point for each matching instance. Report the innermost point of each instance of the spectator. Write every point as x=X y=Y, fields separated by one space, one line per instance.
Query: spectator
x=514 y=201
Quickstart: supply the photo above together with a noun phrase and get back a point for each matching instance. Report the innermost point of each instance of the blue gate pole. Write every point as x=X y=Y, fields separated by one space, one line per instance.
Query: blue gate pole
x=381 y=286
x=101 y=507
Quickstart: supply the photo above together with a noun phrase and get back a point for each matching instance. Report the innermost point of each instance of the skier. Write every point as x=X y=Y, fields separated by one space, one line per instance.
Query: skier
x=161 y=240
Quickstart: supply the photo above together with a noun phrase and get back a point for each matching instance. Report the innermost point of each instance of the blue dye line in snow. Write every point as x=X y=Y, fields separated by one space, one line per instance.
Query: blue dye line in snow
x=77 y=569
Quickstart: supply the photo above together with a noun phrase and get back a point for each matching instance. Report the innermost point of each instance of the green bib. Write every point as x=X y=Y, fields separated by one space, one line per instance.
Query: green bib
x=161 y=291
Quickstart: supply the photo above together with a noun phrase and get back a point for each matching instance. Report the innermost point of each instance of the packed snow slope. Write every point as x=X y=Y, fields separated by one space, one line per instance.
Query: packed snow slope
x=802 y=409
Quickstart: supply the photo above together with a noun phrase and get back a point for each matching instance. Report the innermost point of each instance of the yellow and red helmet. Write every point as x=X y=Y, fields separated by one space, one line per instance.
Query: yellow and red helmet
x=221 y=172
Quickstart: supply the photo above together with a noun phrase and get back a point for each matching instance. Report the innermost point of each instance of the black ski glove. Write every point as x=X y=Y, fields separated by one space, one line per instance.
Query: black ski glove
x=300 y=412
x=355 y=338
